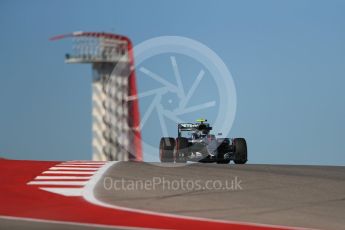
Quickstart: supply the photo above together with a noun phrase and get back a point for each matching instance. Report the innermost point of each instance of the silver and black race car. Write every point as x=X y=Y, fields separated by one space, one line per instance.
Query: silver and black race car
x=195 y=143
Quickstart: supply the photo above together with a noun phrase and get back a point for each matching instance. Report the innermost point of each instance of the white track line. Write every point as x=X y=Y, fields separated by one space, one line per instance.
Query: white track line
x=81 y=183
x=64 y=191
x=72 y=168
x=77 y=165
x=62 y=177
x=81 y=162
x=88 y=164
x=69 y=172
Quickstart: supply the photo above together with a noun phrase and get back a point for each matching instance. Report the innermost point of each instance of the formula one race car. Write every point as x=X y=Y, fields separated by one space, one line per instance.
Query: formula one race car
x=195 y=143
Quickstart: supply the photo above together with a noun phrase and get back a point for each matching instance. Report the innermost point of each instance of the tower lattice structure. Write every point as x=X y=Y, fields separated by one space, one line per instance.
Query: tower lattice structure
x=115 y=107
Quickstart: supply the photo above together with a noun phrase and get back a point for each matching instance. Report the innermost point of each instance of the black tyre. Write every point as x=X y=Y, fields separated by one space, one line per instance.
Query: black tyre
x=181 y=150
x=166 y=149
x=240 y=146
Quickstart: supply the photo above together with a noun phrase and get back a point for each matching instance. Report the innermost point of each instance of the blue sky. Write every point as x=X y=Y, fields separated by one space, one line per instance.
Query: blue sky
x=287 y=59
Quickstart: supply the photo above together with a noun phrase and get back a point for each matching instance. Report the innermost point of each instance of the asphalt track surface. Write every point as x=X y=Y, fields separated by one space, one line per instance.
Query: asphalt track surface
x=297 y=196
x=13 y=224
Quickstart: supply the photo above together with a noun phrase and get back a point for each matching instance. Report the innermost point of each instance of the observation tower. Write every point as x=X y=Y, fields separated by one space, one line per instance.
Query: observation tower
x=115 y=107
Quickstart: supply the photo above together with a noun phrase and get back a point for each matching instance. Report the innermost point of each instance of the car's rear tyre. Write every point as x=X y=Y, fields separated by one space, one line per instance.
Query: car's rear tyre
x=240 y=146
x=166 y=149
x=181 y=152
